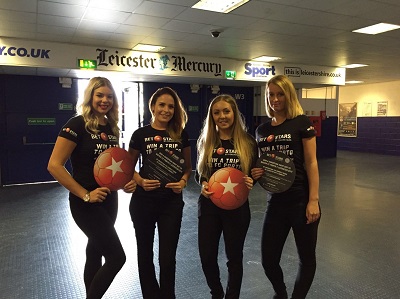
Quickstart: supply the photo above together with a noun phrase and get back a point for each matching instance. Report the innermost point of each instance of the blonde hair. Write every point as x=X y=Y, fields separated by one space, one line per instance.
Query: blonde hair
x=209 y=139
x=178 y=120
x=86 y=110
x=292 y=105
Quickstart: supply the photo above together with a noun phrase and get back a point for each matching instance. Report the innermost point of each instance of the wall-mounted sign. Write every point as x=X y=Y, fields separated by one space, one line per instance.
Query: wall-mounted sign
x=382 y=109
x=347 y=125
x=60 y=55
x=65 y=106
x=193 y=108
x=87 y=64
x=230 y=75
x=41 y=121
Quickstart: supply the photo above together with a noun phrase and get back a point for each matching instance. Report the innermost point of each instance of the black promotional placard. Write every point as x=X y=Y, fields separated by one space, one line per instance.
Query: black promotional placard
x=279 y=171
x=165 y=165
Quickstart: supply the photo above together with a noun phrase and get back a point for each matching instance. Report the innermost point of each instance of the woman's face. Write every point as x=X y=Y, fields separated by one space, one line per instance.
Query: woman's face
x=276 y=98
x=223 y=115
x=102 y=100
x=163 y=109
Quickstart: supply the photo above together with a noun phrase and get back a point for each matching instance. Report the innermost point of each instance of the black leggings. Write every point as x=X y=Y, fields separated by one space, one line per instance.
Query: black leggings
x=279 y=219
x=148 y=210
x=97 y=220
x=233 y=224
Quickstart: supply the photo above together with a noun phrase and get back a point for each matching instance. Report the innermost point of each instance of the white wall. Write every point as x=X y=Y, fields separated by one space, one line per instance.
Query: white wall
x=367 y=97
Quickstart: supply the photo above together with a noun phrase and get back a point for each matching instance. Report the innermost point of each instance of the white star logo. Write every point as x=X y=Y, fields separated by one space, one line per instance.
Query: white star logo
x=228 y=186
x=115 y=167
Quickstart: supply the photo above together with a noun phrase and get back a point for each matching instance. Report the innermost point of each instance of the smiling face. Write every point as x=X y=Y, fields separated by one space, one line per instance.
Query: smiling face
x=276 y=99
x=223 y=115
x=163 y=110
x=102 y=101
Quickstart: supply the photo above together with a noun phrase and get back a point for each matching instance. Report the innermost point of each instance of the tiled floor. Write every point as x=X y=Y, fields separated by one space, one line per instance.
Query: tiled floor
x=42 y=250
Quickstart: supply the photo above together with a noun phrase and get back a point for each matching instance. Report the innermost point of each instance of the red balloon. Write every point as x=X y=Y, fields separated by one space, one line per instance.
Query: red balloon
x=230 y=190
x=113 y=168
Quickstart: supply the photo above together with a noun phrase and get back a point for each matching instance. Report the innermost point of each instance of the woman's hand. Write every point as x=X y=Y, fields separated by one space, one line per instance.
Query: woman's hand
x=130 y=187
x=256 y=173
x=150 y=185
x=204 y=190
x=98 y=194
x=177 y=187
x=249 y=182
x=313 y=213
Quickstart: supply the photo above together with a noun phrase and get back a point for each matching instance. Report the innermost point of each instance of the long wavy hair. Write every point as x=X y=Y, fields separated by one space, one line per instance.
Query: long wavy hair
x=86 y=109
x=292 y=104
x=209 y=139
x=179 y=119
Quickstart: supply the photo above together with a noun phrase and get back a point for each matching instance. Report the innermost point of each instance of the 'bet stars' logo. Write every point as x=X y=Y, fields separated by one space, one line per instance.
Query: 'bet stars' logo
x=229 y=188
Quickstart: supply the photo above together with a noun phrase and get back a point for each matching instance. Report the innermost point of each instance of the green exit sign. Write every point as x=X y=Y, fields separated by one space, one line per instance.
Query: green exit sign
x=230 y=74
x=87 y=64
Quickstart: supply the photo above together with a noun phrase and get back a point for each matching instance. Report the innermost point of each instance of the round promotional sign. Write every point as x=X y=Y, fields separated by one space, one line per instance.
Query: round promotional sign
x=279 y=171
x=165 y=165
x=230 y=190
x=113 y=168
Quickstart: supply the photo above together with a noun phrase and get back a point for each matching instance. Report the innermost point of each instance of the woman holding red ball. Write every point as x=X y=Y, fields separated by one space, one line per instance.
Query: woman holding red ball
x=93 y=208
x=223 y=141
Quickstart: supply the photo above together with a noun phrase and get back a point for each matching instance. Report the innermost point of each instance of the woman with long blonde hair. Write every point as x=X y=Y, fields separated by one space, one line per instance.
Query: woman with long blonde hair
x=223 y=139
x=290 y=132
x=94 y=209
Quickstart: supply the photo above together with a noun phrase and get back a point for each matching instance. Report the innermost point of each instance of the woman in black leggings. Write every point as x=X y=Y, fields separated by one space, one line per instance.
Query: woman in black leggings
x=155 y=204
x=290 y=133
x=93 y=208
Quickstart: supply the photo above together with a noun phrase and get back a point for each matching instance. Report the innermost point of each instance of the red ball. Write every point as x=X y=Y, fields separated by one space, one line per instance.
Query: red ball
x=113 y=168
x=230 y=190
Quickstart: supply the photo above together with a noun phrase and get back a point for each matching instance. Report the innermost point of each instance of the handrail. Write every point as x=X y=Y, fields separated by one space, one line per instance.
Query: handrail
x=24 y=142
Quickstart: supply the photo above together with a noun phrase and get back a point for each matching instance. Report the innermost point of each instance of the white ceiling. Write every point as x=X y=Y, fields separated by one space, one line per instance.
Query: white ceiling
x=308 y=32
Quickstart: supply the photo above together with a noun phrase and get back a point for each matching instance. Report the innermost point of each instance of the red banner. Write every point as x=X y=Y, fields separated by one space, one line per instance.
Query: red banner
x=316 y=121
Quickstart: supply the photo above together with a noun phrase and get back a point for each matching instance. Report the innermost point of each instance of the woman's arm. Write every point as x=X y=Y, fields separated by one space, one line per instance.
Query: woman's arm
x=62 y=150
x=311 y=166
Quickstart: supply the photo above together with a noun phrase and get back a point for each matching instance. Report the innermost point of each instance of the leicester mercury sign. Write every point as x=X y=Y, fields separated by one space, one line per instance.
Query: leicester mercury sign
x=15 y=52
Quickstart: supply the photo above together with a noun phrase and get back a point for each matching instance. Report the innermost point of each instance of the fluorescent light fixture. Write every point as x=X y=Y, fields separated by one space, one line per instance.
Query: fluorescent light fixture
x=222 y=6
x=266 y=58
x=377 y=28
x=354 y=65
x=353 y=82
x=147 y=48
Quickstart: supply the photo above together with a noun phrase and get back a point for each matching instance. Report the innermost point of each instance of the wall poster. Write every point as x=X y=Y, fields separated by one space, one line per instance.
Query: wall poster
x=347 y=125
x=367 y=109
x=382 y=109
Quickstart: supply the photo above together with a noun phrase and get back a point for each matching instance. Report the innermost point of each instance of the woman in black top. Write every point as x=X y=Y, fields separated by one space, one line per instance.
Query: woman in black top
x=223 y=142
x=291 y=133
x=93 y=208
x=154 y=204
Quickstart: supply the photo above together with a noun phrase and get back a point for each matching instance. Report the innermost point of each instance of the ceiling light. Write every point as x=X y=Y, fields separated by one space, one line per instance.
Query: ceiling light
x=377 y=28
x=223 y=6
x=353 y=82
x=354 y=65
x=147 y=48
x=266 y=58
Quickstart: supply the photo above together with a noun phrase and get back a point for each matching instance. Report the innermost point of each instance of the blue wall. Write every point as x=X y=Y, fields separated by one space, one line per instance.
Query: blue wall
x=379 y=135
x=25 y=149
